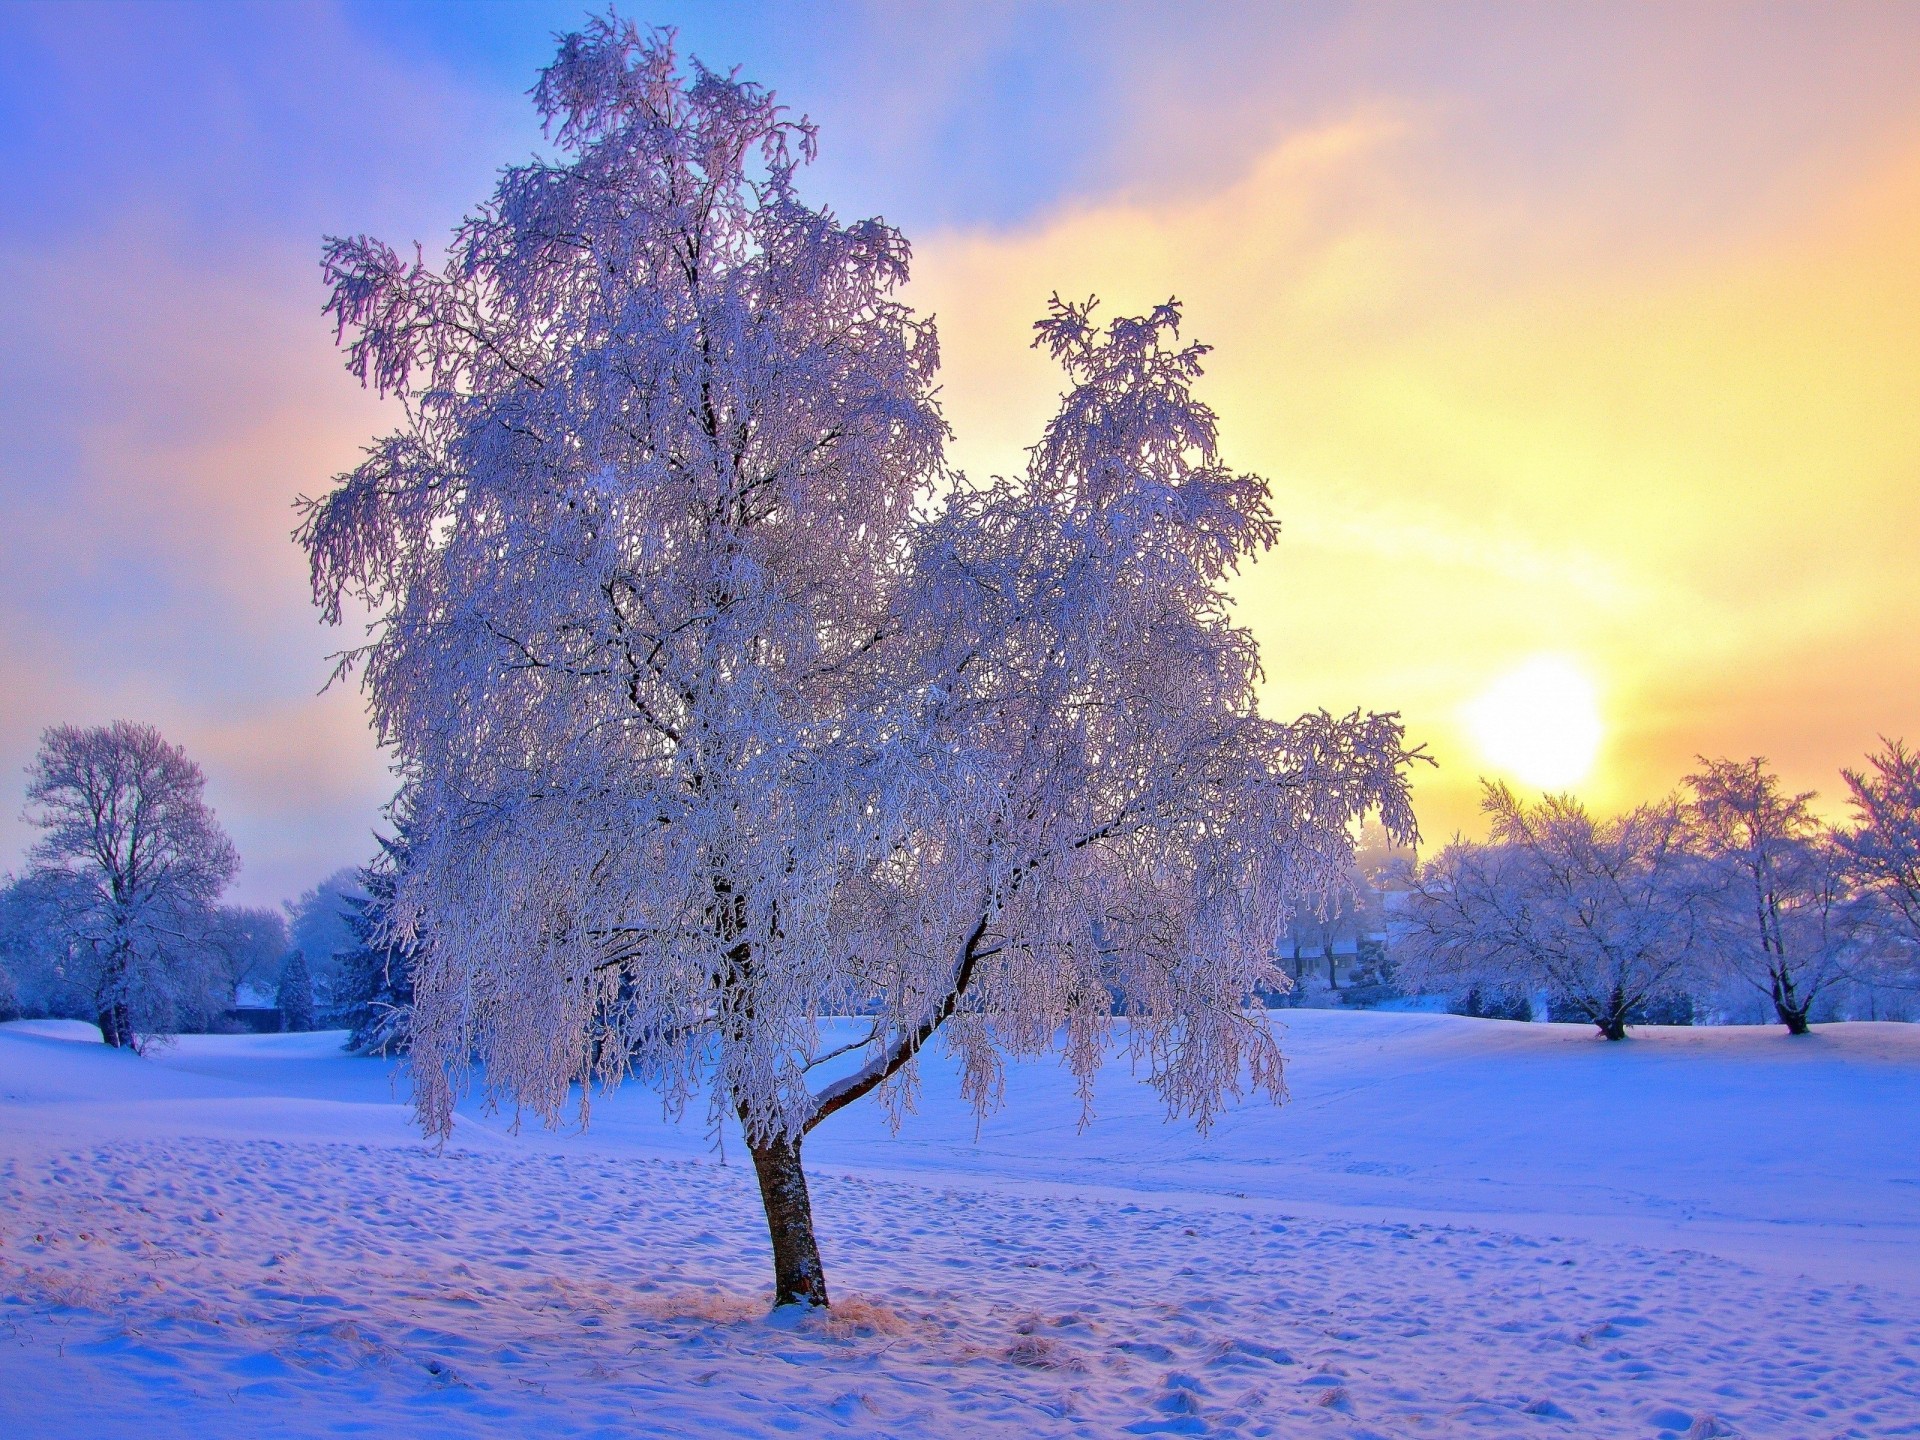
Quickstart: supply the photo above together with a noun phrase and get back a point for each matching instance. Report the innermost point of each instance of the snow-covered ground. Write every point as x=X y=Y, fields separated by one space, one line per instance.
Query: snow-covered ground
x=1456 y=1227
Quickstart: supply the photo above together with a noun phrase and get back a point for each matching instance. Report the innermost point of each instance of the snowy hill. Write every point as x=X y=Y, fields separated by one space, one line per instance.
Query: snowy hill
x=1454 y=1227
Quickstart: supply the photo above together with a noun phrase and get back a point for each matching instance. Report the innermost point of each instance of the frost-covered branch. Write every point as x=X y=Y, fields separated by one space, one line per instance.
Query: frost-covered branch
x=725 y=708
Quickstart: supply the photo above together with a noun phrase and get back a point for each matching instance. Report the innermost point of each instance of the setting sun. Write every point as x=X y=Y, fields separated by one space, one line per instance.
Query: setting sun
x=1538 y=723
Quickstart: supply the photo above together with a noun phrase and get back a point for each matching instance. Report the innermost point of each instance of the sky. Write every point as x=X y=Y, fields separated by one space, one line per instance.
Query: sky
x=1576 y=342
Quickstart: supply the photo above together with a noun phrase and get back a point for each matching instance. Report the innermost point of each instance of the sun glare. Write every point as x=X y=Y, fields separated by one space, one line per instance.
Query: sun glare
x=1539 y=723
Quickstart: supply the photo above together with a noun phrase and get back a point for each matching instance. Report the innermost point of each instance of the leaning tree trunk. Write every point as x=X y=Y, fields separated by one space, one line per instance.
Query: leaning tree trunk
x=798 y=1277
x=1789 y=1007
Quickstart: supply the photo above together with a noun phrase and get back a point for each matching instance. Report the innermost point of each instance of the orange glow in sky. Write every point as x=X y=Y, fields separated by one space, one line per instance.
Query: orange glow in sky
x=1580 y=344
x=1677 y=453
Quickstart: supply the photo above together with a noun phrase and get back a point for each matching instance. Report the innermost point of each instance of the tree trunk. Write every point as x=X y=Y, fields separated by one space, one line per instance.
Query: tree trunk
x=116 y=1025
x=110 y=1000
x=798 y=1278
x=1787 y=1005
x=1613 y=1024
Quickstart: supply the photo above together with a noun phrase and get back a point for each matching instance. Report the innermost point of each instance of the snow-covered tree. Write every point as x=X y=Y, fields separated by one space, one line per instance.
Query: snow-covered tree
x=21 y=944
x=294 y=995
x=1782 y=912
x=723 y=708
x=1602 y=913
x=248 y=943
x=376 y=985
x=128 y=866
x=320 y=924
x=1884 y=845
x=9 y=987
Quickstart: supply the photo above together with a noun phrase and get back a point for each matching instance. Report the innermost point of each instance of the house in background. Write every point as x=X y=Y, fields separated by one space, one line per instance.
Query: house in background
x=1337 y=954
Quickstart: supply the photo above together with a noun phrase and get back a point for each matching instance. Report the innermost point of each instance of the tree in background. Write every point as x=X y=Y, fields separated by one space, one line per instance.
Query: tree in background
x=248 y=943
x=23 y=947
x=1780 y=911
x=129 y=863
x=1603 y=914
x=295 y=993
x=722 y=707
x=320 y=924
x=1884 y=846
x=376 y=986
x=9 y=989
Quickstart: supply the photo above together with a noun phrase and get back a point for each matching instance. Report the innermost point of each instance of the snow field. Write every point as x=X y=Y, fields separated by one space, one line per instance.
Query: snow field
x=165 y=1271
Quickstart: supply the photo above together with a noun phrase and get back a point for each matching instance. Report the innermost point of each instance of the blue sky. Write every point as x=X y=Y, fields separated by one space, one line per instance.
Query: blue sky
x=1576 y=331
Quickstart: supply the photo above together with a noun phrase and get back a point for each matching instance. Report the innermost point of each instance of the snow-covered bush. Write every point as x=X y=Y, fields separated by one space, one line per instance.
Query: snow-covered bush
x=723 y=706
x=1492 y=1000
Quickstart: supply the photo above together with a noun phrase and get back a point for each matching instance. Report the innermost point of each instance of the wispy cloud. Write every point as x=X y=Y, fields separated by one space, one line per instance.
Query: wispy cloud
x=1582 y=330
x=1494 y=432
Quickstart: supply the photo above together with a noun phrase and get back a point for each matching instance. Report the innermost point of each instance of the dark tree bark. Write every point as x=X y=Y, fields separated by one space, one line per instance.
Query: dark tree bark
x=115 y=1015
x=1791 y=1009
x=1613 y=1022
x=798 y=1276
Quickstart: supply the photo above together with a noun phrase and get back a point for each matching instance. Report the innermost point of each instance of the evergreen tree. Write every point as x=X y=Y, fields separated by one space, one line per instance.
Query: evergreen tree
x=296 y=993
x=377 y=974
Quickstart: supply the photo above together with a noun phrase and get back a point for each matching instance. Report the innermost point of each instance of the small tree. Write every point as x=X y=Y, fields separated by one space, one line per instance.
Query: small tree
x=1601 y=913
x=723 y=708
x=377 y=973
x=129 y=863
x=295 y=995
x=1781 y=912
x=320 y=925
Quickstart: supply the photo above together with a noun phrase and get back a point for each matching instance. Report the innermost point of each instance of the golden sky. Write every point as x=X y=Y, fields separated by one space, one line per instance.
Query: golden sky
x=1578 y=341
x=1503 y=433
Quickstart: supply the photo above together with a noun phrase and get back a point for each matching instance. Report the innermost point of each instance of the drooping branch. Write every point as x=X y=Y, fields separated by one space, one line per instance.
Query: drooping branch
x=884 y=1066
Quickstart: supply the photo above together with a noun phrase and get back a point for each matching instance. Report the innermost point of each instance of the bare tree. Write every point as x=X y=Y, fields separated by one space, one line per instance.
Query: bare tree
x=1782 y=914
x=1604 y=914
x=129 y=863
